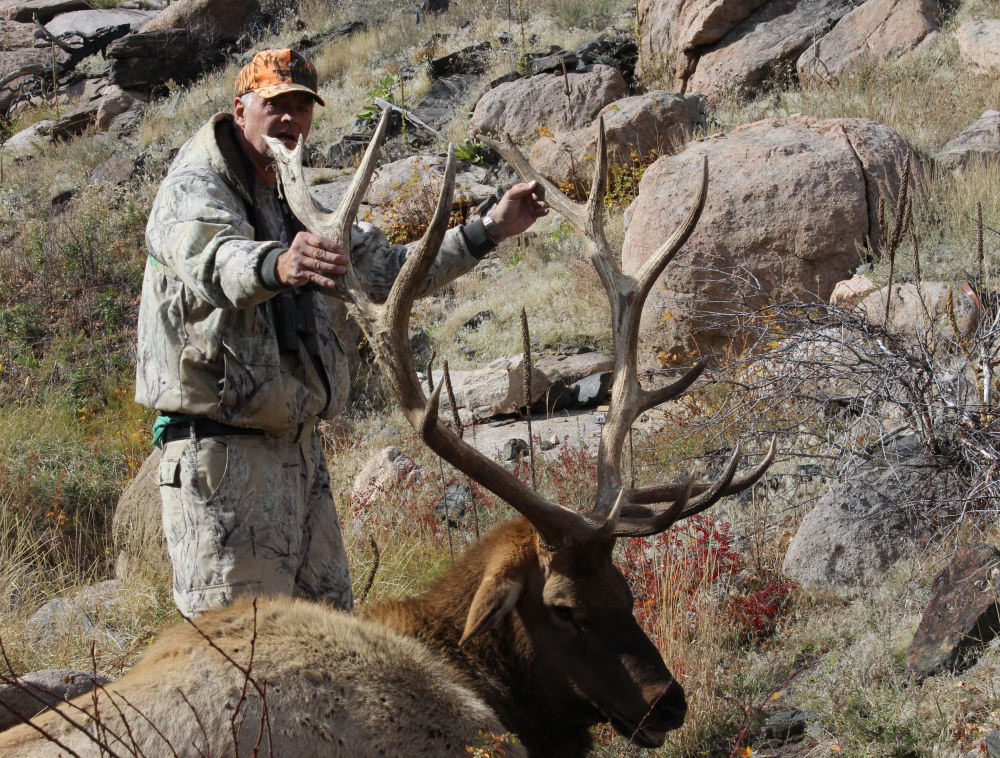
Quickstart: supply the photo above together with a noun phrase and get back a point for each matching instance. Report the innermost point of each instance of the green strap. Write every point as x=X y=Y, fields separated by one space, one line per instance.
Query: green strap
x=165 y=420
x=163 y=268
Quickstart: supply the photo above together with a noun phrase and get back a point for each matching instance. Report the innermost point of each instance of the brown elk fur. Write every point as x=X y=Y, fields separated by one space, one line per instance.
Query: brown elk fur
x=392 y=680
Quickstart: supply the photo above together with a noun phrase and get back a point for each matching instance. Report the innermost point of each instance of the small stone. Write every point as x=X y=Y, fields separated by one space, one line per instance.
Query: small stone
x=455 y=504
x=42 y=689
x=513 y=449
x=554 y=63
x=117 y=169
x=550 y=443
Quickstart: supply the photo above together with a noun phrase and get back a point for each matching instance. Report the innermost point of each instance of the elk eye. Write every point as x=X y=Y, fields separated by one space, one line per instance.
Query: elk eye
x=563 y=612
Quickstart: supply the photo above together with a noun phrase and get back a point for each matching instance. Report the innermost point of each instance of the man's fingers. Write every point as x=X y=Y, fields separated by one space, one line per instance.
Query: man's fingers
x=317 y=241
x=319 y=279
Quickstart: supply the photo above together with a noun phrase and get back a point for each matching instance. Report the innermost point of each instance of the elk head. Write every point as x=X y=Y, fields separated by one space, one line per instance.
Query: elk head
x=572 y=602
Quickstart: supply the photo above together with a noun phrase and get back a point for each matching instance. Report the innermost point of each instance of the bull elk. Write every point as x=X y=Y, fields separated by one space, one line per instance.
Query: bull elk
x=530 y=632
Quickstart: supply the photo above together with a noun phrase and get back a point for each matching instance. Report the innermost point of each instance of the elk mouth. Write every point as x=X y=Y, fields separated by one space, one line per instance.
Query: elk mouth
x=644 y=737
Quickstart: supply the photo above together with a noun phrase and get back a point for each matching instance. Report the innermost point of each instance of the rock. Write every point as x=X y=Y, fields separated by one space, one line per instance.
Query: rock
x=456 y=502
x=30 y=141
x=147 y=59
x=89 y=21
x=347 y=152
x=574 y=367
x=641 y=127
x=979 y=43
x=588 y=52
x=388 y=469
x=113 y=102
x=789 y=200
x=875 y=30
x=961 y=617
x=51 y=687
x=473 y=59
x=919 y=310
x=860 y=528
x=24 y=10
x=513 y=449
x=117 y=169
x=992 y=742
x=15 y=58
x=787 y=725
x=218 y=21
x=979 y=142
x=564 y=60
x=520 y=108
x=127 y=122
x=137 y=526
x=330 y=194
x=76 y=121
x=550 y=444
x=476 y=321
x=447 y=99
x=510 y=76
x=589 y=391
x=671 y=31
x=15 y=34
x=495 y=390
x=851 y=292
x=59 y=618
x=761 y=50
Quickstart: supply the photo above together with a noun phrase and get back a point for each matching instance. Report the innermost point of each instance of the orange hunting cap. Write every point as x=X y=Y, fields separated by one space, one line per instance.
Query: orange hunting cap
x=271 y=72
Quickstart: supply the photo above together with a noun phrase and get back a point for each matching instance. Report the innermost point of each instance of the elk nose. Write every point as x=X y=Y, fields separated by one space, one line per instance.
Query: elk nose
x=672 y=707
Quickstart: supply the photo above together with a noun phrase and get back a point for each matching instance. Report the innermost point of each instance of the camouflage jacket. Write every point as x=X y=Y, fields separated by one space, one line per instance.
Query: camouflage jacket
x=207 y=343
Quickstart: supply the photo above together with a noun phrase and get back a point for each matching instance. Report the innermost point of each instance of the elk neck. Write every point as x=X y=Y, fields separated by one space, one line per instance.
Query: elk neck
x=500 y=665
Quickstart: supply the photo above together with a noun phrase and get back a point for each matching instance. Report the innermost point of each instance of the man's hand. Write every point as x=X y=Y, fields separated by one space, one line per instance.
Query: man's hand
x=311 y=258
x=518 y=209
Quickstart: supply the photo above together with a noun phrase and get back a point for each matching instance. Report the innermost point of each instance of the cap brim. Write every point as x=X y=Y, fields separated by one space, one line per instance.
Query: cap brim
x=273 y=90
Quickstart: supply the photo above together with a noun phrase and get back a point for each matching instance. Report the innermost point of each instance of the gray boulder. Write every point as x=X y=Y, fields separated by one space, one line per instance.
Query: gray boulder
x=861 y=527
x=39 y=690
x=137 y=527
x=46 y=10
x=213 y=20
x=979 y=141
x=89 y=21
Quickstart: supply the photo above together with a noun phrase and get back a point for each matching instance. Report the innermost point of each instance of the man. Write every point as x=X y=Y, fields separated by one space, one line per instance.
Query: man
x=238 y=352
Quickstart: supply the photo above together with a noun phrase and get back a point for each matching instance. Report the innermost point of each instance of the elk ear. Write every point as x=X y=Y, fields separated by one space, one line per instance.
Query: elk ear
x=495 y=598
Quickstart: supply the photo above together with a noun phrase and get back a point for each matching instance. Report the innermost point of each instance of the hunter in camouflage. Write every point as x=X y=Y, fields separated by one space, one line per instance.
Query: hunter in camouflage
x=238 y=351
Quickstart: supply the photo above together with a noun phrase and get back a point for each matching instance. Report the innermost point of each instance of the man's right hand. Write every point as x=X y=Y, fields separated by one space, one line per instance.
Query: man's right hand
x=311 y=258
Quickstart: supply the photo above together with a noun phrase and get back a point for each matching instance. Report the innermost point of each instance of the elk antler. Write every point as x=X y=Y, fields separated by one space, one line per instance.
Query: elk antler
x=386 y=327
x=629 y=400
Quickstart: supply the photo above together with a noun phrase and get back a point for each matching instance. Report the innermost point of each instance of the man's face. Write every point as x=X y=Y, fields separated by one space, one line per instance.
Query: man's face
x=285 y=116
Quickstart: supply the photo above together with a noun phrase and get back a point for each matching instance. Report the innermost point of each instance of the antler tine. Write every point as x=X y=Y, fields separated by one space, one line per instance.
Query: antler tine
x=572 y=211
x=637 y=509
x=646 y=276
x=351 y=202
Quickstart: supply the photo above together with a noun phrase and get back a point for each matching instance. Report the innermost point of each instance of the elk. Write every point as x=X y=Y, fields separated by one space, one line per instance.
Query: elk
x=531 y=631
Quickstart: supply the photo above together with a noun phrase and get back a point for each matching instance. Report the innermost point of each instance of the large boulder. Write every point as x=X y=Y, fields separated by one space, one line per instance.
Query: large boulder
x=863 y=526
x=137 y=526
x=979 y=43
x=979 y=142
x=89 y=21
x=788 y=202
x=522 y=107
x=390 y=468
x=30 y=141
x=46 y=10
x=762 y=50
x=40 y=690
x=636 y=128
x=875 y=30
x=961 y=617
x=671 y=31
x=214 y=20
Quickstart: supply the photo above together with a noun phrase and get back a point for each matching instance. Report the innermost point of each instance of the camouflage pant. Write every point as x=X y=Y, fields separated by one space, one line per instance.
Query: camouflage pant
x=251 y=515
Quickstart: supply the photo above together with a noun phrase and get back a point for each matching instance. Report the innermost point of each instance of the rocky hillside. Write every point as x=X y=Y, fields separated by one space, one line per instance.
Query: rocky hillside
x=843 y=276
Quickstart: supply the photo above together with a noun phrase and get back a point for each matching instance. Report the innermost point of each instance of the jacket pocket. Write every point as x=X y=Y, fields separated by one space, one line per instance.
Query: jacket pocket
x=252 y=391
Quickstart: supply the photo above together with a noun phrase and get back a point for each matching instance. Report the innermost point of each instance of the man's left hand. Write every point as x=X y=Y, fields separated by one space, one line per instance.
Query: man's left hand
x=518 y=209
